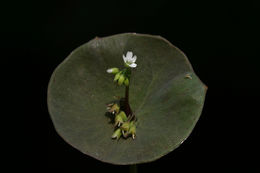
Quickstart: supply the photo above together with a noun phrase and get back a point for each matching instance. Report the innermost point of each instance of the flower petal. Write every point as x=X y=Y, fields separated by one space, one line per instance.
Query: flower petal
x=110 y=70
x=124 y=58
x=134 y=59
x=129 y=54
x=133 y=65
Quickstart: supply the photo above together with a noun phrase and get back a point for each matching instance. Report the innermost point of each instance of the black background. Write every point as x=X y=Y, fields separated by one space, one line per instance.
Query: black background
x=221 y=41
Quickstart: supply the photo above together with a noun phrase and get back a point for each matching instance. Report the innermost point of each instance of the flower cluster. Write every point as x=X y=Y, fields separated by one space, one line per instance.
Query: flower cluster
x=123 y=76
x=123 y=124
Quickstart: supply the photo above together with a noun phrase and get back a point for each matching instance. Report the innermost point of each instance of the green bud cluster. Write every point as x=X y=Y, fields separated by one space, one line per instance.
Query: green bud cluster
x=123 y=126
x=121 y=77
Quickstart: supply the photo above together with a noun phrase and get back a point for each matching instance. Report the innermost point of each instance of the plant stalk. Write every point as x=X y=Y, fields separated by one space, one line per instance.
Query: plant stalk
x=128 y=110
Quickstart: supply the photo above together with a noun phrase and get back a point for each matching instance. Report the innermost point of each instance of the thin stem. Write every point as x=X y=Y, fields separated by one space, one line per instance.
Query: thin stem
x=128 y=110
x=133 y=168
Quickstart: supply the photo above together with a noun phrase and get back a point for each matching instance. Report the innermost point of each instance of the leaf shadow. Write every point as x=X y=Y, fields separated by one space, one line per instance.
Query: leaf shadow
x=111 y=117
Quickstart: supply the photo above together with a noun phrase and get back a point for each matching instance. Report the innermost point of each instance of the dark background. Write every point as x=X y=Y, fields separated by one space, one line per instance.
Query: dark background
x=221 y=41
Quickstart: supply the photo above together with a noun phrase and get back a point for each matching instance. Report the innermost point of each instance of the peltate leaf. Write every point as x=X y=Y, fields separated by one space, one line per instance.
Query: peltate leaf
x=165 y=94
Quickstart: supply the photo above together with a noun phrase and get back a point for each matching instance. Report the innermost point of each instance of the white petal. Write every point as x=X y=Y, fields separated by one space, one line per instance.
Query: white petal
x=124 y=58
x=129 y=55
x=110 y=70
x=134 y=59
x=133 y=65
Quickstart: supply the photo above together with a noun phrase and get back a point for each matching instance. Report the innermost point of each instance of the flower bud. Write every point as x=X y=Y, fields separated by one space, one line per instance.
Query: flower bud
x=126 y=82
x=121 y=79
x=116 y=134
x=125 y=126
x=113 y=70
x=123 y=115
x=116 y=77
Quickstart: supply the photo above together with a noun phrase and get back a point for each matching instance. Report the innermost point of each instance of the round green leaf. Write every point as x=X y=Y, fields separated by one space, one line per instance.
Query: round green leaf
x=165 y=94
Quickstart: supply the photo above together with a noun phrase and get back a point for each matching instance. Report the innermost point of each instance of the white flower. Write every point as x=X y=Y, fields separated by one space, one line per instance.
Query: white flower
x=129 y=59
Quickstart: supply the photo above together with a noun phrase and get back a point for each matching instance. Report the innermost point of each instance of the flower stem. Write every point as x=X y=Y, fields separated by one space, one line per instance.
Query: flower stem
x=128 y=110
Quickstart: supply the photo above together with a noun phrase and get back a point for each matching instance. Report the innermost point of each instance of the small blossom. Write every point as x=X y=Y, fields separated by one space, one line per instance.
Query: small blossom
x=129 y=59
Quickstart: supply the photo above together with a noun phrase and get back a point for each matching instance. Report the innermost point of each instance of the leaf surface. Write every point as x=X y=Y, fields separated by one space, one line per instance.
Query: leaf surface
x=165 y=94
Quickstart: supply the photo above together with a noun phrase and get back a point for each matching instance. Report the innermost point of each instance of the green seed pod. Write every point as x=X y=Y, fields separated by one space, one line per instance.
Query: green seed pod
x=125 y=126
x=132 y=131
x=118 y=120
x=126 y=82
x=116 y=134
x=131 y=123
x=123 y=115
x=125 y=134
x=121 y=79
x=114 y=109
x=113 y=70
x=116 y=77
